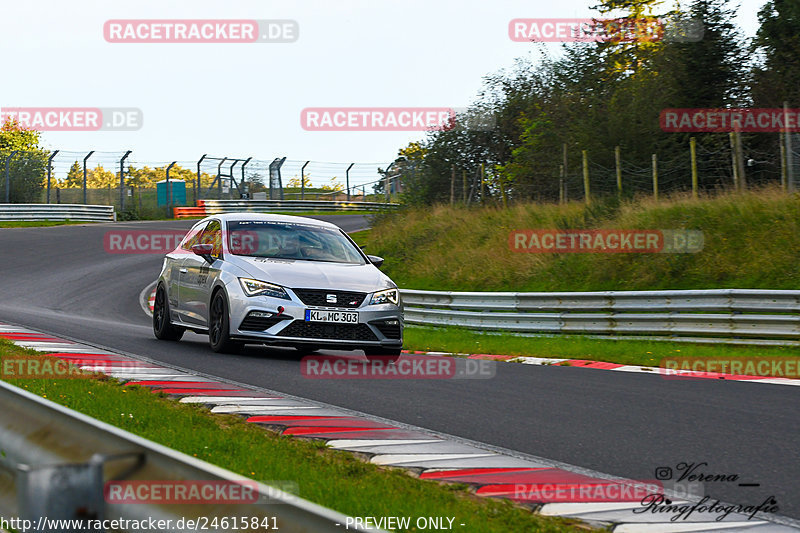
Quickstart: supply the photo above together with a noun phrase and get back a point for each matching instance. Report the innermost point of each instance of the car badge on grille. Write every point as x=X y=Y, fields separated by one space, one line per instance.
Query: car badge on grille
x=330 y=298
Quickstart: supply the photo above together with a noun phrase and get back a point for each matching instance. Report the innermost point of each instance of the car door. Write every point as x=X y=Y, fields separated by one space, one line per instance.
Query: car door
x=176 y=260
x=198 y=277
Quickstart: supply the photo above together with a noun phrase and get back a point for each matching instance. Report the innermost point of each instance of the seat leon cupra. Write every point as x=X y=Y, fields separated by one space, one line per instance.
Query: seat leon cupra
x=277 y=280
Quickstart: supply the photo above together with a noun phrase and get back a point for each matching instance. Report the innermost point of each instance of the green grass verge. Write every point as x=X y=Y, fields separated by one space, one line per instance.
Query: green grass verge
x=335 y=479
x=628 y=352
x=752 y=240
x=39 y=223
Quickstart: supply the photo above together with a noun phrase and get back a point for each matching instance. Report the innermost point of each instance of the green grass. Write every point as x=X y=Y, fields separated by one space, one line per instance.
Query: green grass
x=752 y=240
x=39 y=223
x=628 y=352
x=335 y=479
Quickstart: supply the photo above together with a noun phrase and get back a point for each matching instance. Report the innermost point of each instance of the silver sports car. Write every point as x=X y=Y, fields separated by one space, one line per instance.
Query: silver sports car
x=278 y=280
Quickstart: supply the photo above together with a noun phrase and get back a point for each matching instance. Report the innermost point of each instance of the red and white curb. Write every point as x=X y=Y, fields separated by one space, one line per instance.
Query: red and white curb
x=603 y=365
x=490 y=473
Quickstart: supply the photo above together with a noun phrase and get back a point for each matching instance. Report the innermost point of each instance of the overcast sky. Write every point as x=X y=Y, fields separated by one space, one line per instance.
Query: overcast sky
x=245 y=99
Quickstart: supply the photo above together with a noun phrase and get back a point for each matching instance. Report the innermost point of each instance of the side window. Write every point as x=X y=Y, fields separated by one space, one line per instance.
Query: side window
x=192 y=237
x=213 y=235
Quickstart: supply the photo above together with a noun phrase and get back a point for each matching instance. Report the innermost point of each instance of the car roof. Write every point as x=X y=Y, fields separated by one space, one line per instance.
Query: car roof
x=269 y=217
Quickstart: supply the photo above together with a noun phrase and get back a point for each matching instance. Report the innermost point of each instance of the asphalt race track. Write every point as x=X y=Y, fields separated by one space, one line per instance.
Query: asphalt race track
x=60 y=280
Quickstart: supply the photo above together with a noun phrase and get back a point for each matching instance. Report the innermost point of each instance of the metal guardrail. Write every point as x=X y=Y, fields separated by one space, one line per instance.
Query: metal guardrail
x=54 y=461
x=214 y=207
x=750 y=314
x=89 y=213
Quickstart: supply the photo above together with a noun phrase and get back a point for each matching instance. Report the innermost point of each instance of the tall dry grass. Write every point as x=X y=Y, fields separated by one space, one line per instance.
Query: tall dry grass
x=752 y=240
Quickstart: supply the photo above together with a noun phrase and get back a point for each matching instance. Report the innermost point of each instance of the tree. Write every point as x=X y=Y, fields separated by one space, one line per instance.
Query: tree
x=294 y=181
x=776 y=78
x=74 y=177
x=27 y=168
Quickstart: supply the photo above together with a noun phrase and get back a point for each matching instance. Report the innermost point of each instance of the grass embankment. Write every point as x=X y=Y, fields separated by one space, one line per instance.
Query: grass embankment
x=752 y=240
x=335 y=479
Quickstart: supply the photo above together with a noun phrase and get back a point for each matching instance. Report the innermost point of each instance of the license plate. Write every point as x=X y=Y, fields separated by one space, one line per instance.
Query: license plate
x=337 y=317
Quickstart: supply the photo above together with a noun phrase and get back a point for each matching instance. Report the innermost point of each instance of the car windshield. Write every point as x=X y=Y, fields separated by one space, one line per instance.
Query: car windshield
x=290 y=240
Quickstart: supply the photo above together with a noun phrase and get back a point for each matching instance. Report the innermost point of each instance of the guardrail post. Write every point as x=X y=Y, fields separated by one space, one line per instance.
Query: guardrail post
x=50 y=172
x=303 y=180
x=122 y=180
x=347 y=177
x=168 y=195
x=84 y=175
x=8 y=176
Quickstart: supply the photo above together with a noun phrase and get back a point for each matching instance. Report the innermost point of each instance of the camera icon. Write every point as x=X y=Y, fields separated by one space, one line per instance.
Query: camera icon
x=663 y=473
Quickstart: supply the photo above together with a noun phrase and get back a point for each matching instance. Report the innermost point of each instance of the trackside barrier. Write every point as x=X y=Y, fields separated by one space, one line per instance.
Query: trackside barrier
x=188 y=212
x=89 y=213
x=214 y=207
x=752 y=315
x=55 y=461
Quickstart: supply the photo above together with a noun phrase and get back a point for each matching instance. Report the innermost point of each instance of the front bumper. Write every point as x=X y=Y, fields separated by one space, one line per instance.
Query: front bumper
x=378 y=325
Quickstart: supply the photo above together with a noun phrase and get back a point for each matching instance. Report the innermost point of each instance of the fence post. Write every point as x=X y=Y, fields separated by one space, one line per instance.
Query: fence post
x=452 y=184
x=464 y=186
x=782 y=143
x=168 y=195
x=8 y=176
x=483 y=182
x=655 y=177
x=693 y=151
x=618 y=161
x=734 y=162
x=50 y=172
x=197 y=189
x=737 y=137
x=562 y=195
x=84 y=175
x=122 y=180
x=789 y=155
x=303 y=180
x=586 y=191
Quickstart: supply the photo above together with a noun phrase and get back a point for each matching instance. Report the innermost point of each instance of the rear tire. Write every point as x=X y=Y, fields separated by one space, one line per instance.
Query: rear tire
x=162 y=327
x=219 y=330
x=387 y=355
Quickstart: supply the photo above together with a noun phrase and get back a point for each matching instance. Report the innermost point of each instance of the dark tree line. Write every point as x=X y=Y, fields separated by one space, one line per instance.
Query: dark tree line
x=596 y=96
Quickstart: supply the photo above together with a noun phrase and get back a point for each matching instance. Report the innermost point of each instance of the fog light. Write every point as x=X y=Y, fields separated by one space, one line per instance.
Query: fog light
x=260 y=314
x=391 y=322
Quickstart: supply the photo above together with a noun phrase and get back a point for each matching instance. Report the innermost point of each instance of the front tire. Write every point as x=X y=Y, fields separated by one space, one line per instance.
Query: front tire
x=162 y=327
x=219 y=331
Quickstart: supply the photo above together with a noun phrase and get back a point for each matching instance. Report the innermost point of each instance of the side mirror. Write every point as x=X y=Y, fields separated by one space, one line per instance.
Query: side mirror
x=375 y=260
x=204 y=251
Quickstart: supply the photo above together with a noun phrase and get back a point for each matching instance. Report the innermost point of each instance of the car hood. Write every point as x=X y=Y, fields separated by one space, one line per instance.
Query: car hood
x=315 y=274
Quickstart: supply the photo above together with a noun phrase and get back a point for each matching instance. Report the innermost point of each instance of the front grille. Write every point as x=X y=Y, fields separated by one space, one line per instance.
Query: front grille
x=252 y=323
x=389 y=331
x=318 y=298
x=317 y=330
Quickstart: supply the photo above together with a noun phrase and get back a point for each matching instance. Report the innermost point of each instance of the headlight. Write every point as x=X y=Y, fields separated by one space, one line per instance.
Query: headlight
x=385 y=297
x=254 y=287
